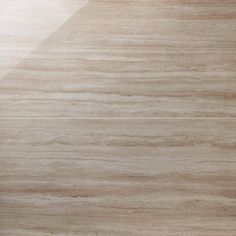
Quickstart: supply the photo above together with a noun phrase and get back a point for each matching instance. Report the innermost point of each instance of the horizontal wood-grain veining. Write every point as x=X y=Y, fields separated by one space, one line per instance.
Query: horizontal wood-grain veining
x=24 y=24
x=117 y=117
x=137 y=58
x=117 y=177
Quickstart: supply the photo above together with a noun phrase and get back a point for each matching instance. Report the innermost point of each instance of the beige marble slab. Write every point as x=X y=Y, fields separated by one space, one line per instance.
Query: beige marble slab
x=152 y=58
x=80 y=85
x=117 y=177
x=24 y=24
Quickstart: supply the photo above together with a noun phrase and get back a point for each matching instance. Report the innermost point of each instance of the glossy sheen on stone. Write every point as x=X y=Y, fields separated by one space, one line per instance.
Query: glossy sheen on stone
x=117 y=117
x=131 y=58
x=25 y=24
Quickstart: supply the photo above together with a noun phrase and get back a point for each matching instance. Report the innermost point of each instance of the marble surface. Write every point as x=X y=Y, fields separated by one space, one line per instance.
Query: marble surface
x=117 y=177
x=117 y=117
x=133 y=59
x=25 y=24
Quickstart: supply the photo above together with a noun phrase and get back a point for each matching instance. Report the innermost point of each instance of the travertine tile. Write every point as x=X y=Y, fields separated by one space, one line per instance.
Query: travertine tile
x=117 y=177
x=80 y=150
x=24 y=24
x=135 y=58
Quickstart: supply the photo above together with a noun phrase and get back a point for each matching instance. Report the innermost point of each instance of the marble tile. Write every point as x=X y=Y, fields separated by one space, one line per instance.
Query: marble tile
x=117 y=177
x=131 y=59
x=25 y=24
x=117 y=117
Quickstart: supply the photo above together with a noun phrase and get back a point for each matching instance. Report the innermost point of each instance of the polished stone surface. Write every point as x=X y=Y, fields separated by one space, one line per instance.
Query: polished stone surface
x=117 y=117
